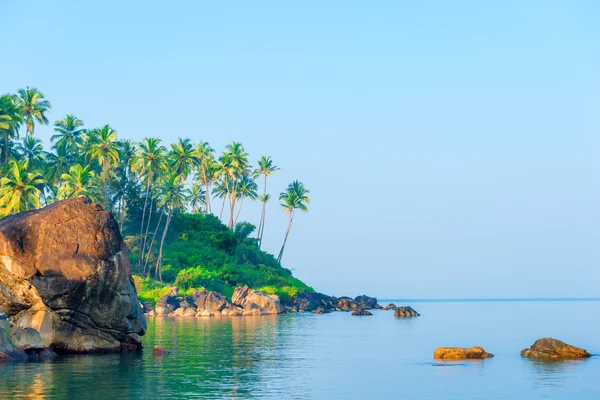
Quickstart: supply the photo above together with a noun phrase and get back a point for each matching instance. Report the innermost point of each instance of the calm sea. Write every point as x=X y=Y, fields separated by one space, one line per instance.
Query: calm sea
x=336 y=356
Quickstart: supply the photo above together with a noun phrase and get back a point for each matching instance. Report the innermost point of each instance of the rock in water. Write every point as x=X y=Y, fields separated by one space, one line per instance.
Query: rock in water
x=8 y=349
x=366 y=302
x=554 y=349
x=459 y=353
x=361 y=312
x=64 y=271
x=254 y=301
x=390 y=306
x=313 y=300
x=405 y=312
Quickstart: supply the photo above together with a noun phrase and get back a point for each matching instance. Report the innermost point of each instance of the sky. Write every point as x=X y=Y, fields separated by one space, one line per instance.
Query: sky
x=450 y=148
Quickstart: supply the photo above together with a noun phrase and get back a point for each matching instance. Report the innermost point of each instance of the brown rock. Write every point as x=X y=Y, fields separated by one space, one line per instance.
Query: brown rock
x=159 y=351
x=405 y=312
x=347 y=304
x=250 y=299
x=554 y=349
x=64 y=271
x=459 y=353
x=390 y=306
x=361 y=312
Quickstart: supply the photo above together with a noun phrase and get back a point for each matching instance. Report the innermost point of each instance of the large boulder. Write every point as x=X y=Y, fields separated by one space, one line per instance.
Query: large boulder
x=554 y=349
x=459 y=353
x=30 y=341
x=254 y=301
x=166 y=305
x=313 y=300
x=8 y=349
x=405 y=312
x=366 y=302
x=64 y=271
x=212 y=301
x=347 y=304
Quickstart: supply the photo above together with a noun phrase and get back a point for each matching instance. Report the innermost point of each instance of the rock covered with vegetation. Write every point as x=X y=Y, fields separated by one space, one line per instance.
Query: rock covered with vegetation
x=64 y=272
x=554 y=349
x=460 y=353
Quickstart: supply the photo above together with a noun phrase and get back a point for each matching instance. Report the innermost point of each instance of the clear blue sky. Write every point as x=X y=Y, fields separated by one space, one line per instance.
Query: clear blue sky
x=451 y=148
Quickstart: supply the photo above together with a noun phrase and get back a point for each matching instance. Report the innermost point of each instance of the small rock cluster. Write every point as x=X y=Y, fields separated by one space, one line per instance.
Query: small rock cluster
x=319 y=303
x=405 y=312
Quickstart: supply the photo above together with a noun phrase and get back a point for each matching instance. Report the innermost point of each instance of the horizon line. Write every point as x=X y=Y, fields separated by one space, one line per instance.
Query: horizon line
x=492 y=299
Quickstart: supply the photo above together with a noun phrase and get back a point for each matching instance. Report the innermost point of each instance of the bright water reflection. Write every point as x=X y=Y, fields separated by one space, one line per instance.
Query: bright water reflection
x=334 y=356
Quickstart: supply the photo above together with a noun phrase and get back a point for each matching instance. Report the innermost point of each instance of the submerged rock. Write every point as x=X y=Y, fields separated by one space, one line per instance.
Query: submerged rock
x=254 y=302
x=405 y=312
x=554 y=349
x=64 y=271
x=159 y=351
x=361 y=312
x=459 y=353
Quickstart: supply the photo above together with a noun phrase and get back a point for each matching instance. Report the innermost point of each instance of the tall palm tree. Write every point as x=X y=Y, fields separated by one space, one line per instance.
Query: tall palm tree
x=79 y=181
x=196 y=197
x=171 y=195
x=103 y=149
x=11 y=117
x=149 y=162
x=123 y=176
x=32 y=150
x=183 y=158
x=266 y=168
x=294 y=198
x=70 y=133
x=264 y=199
x=19 y=188
x=205 y=161
x=34 y=107
x=57 y=163
x=247 y=188
x=232 y=165
x=221 y=191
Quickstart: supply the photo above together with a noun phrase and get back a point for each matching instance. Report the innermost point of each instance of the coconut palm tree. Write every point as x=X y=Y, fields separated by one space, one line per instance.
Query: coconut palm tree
x=294 y=198
x=149 y=162
x=34 y=107
x=196 y=197
x=171 y=195
x=264 y=199
x=246 y=188
x=11 y=117
x=103 y=148
x=266 y=168
x=58 y=163
x=221 y=191
x=232 y=165
x=79 y=181
x=205 y=161
x=183 y=158
x=19 y=188
x=70 y=133
x=32 y=150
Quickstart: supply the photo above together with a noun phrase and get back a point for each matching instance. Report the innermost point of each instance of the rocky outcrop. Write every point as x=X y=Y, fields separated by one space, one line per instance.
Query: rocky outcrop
x=64 y=272
x=254 y=302
x=366 y=302
x=8 y=349
x=405 y=312
x=30 y=341
x=554 y=349
x=347 y=304
x=199 y=304
x=361 y=312
x=459 y=353
x=313 y=300
x=390 y=306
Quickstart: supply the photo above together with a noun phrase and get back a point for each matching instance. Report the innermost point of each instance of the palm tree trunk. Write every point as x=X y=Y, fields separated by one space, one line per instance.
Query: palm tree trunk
x=206 y=185
x=142 y=225
x=287 y=232
x=152 y=241
x=260 y=222
x=147 y=225
x=262 y=228
x=223 y=207
x=162 y=242
x=239 y=211
x=231 y=209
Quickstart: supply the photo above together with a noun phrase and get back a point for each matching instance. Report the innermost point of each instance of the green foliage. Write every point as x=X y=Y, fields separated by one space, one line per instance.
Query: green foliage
x=150 y=290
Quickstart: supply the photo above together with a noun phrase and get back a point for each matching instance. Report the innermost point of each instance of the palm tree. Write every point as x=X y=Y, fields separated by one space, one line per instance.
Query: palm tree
x=220 y=191
x=196 y=197
x=34 y=107
x=19 y=188
x=183 y=158
x=263 y=198
x=266 y=168
x=103 y=149
x=57 y=163
x=171 y=195
x=70 y=133
x=78 y=182
x=149 y=163
x=11 y=117
x=32 y=150
x=232 y=165
x=205 y=161
x=295 y=197
x=246 y=188
x=123 y=175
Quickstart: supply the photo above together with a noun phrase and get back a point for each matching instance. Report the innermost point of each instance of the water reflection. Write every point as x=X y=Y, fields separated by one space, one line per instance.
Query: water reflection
x=553 y=374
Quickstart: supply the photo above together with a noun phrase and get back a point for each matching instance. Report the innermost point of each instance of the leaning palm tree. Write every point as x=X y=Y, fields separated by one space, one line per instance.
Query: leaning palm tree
x=266 y=168
x=205 y=160
x=171 y=195
x=196 y=197
x=103 y=148
x=34 y=107
x=70 y=133
x=247 y=188
x=19 y=188
x=294 y=198
x=149 y=162
x=11 y=117
x=183 y=158
x=79 y=181
x=264 y=199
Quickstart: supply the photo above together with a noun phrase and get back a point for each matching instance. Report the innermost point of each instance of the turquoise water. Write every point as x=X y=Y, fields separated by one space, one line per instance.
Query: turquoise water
x=336 y=356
